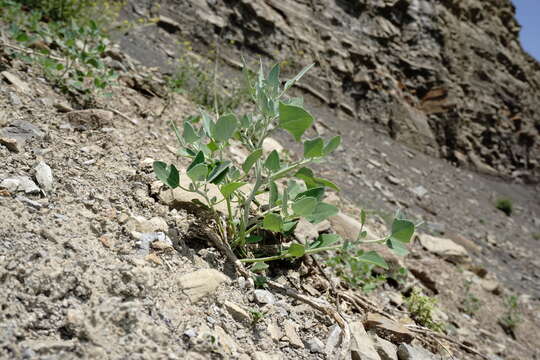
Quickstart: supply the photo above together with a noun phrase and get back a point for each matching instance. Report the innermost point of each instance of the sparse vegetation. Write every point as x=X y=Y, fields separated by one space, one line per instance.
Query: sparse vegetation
x=291 y=190
x=505 y=205
x=512 y=317
x=470 y=304
x=422 y=309
x=65 y=39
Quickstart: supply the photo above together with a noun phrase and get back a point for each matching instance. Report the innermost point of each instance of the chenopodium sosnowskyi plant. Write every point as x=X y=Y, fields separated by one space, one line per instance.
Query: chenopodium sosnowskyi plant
x=301 y=197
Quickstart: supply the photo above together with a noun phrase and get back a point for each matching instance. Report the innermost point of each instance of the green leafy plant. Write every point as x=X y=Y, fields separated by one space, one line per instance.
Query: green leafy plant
x=267 y=195
x=422 y=309
x=512 y=317
x=69 y=53
x=505 y=205
x=256 y=316
x=470 y=304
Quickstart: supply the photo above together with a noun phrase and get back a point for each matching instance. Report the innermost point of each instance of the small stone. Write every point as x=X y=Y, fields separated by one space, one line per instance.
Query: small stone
x=168 y=24
x=260 y=355
x=190 y=333
x=264 y=297
x=305 y=232
x=444 y=248
x=408 y=352
x=393 y=180
x=315 y=345
x=225 y=340
x=385 y=349
x=237 y=312
x=17 y=133
x=153 y=258
x=388 y=329
x=419 y=191
x=362 y=347
x=201 y=283
x=27 y=185
x=292 y=335
x=491 y=286
x=333 y=339
x=274 y=331
x=16 y=82
x=44 y=176
x=90 y=119
x=106 y=241
x=395 y=298
x=10 y=185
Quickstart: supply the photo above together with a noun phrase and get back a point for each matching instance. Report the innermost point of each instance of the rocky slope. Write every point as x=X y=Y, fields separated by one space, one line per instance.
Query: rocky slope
x=446 y=77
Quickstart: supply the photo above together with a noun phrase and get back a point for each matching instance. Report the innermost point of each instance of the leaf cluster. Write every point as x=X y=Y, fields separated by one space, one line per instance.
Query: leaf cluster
x=422 y=309
x=267 y=194
x=69 y=52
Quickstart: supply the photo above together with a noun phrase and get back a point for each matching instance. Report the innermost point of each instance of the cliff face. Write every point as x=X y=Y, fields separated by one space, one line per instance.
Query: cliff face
x=447 y=77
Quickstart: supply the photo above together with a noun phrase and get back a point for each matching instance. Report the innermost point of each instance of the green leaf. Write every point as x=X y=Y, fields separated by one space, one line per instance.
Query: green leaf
x=362 y=235
x=245 y=121
x=273 y=81
x=273 y=222
x=323 y=182
x=272 y=163
x=296 y=250
x=224 y=128
x=251 y=160
x=291 y=82
x=208 y=124
x=253 y=239
x=167 y=174
x=289 y=225
x=402 y=230
x=397 y=247
x=305 y=206
x=363 y=216
x=199 y=159
x=322 y=212
x=325 y=240
x=22 y=37
x=259 y=266
x=294 y=119
x=228 y=189
x=332 y=145
x=372 y=257
x=285 y=202
x=313 y=148
x=198 y=172
x=274 y=194
x=218 y=172
x=190 y=136
x=317 y=193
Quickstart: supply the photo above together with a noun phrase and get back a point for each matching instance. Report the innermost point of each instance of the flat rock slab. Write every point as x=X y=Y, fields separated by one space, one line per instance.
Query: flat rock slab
x=90 y=119
x=15 y=136
x=362 y=347
x=444 y=248
x=388 y=329
x=408 y=352
x=201 y=283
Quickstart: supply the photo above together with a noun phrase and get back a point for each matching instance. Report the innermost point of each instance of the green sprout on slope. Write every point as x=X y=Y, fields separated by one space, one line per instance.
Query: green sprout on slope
x=267 y=195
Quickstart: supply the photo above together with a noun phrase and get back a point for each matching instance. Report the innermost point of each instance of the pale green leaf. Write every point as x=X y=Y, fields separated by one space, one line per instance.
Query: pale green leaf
x=224 y=128
x=190 y=136
x=322 y=212
x=313 y=148
x=273 y=222
x=305 y=206
x=167 y=174
x=332 y=145
x=251 y=160
x=372 y=257
x=291 y=82
x=198 y=172
x=296 y=250
x=402 y=230
x=272 y=163
x=294 y=119
x=228 y=189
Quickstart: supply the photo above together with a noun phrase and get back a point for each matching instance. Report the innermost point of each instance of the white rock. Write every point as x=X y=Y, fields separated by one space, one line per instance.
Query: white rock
x=27 y=185
x=237 y=311
x=333 y=339
x=264 y=297
x=201 y=283
x=444 y=248
x=305 y=232
x=362 y=346
x=10 y=184
x=292 y=335
x=315 y=345
x=44 y=176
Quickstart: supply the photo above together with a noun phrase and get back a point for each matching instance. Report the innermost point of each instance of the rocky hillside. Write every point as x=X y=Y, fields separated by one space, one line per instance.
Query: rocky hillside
x=446 y=77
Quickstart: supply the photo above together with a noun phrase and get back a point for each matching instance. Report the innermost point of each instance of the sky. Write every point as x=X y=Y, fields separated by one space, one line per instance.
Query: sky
x=528 y=16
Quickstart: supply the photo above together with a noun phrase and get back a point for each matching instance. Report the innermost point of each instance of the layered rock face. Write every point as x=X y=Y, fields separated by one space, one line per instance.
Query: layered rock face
x=447 y=77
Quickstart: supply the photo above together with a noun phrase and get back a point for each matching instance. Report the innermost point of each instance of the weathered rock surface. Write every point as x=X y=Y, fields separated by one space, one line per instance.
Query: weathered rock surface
x=448 y=78
x=444 y=248
x=201 y=283
x=362 y=347
x=388 y=329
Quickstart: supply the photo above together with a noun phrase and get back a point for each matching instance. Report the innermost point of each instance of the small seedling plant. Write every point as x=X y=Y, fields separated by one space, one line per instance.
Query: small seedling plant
x=268 y=194
x=69 y=52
